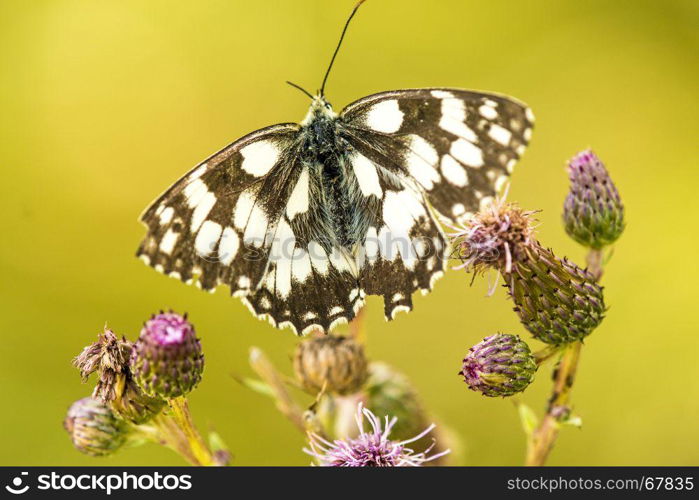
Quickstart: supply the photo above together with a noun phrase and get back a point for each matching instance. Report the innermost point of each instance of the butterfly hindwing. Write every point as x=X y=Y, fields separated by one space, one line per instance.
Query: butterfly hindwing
x=459 y=146
x=401 y=246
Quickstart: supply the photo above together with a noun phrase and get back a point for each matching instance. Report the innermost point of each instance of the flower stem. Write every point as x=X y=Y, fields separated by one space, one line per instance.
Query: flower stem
x=175 y=429
x=183 y=419
x=546 y=353
x=544 y=436
x=594 y=263
x=285 y=402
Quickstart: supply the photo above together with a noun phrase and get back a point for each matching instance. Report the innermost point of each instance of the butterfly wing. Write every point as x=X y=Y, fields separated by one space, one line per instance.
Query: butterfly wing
x=400 y=246
x=459 y=146
x=412 y=149
x=239 y=219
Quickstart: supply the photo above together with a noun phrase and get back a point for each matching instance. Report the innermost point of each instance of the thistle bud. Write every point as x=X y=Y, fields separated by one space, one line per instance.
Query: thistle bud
x=557 y=301
x=93 y=428
x=166 y=360
x=390 y=392
x=593 y=214
x=336 y=364
x=499 y=365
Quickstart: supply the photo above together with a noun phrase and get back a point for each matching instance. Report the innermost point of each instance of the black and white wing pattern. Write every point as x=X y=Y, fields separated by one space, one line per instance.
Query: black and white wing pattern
x=447 y=149
x=460 y=146
x=302 y=222
x=242 y=218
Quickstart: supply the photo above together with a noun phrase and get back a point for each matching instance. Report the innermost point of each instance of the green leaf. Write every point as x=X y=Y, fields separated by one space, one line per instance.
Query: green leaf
x=528 y=418
x=258 y=386
x=216 y=442
x=573 y=420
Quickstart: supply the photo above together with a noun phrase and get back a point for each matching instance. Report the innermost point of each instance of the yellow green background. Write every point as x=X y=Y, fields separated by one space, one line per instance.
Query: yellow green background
x=103 y=104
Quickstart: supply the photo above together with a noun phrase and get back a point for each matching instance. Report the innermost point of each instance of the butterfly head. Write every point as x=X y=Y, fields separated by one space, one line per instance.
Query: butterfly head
x=320 y=110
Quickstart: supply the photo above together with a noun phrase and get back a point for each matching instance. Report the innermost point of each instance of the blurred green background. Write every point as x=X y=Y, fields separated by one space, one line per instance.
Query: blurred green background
x=103 y=104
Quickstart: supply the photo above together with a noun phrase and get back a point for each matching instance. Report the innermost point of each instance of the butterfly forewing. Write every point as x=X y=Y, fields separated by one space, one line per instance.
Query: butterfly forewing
x=459 y=146
x=213 y=225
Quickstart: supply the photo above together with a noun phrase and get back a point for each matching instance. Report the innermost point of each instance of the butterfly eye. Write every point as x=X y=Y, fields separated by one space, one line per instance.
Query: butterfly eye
x=328 y=106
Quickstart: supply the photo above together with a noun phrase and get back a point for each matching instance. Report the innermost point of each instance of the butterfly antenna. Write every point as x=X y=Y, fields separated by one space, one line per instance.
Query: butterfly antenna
x=300 y=88
x=337 y=49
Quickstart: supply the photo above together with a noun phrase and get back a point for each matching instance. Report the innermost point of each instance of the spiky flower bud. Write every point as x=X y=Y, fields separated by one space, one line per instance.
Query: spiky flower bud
x=389 y=392
x=166 y=360
x=335 y=364
x=109 y=358
x=557 y=301
x=593 y=214
x=93 y=428
x=499 y=365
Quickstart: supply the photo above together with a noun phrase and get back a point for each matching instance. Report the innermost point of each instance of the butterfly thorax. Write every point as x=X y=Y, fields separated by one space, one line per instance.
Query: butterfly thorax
x=323 y=151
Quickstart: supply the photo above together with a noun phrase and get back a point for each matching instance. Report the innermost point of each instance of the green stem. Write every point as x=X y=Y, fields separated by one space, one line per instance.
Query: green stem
x=183 y=419
x=175 y=429
x=545 y=354
x=544 y=436
x=269 y=374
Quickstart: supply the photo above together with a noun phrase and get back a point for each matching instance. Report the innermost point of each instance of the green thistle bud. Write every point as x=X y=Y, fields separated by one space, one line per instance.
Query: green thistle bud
x=167 y=361
x=336 y=364
x=557 y=301
x=109 y=358
x=389 y=392
x=93 y=428
x=499 y=365
x=593 y=214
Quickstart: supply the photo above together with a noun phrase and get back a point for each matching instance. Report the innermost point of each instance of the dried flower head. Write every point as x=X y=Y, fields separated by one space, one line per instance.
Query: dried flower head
x=109 y=358
x=371 y=448
x=93 y=428
x=499 y=365
x=593 y=214
x=495 y=237
x=557 y=301
x=336 y=364
x=167 y=360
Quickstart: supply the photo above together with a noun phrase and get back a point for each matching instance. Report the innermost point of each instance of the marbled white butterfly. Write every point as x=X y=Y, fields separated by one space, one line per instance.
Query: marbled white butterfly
x=302 y=221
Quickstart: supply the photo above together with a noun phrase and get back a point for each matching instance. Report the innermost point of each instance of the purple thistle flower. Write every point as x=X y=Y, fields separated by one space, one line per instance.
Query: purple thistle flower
x=372 y=448
x=593 y=213
x=495 y=238
x=167 y=361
